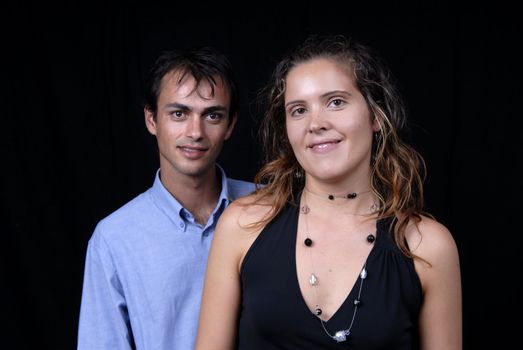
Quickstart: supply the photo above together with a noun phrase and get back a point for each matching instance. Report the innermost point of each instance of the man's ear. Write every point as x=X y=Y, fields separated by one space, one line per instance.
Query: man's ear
x=150 y=123
x=231 y=126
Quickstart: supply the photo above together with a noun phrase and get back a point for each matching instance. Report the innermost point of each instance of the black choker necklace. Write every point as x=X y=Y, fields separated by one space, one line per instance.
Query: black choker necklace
x=342 y=334
x=350 y=195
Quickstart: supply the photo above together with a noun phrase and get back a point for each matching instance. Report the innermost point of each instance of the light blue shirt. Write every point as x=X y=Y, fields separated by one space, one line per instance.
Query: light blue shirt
x=144 y=272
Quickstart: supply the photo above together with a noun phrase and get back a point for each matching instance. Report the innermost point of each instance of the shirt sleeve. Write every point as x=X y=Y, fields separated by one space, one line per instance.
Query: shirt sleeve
x=104 y=318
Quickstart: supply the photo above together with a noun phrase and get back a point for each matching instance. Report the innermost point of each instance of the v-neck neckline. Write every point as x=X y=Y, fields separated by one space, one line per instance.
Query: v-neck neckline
x=354 y=287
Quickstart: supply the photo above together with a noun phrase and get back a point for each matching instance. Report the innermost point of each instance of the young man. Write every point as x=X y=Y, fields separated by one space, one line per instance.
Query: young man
x=145 y=262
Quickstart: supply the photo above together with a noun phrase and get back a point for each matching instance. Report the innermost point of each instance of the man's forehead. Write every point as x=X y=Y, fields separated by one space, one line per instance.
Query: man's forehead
x=185 y=84
x=182 y=88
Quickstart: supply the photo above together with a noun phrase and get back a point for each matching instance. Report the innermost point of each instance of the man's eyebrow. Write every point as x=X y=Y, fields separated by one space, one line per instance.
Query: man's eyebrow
x=217 y=108
x=184 y=108
x=177 y=105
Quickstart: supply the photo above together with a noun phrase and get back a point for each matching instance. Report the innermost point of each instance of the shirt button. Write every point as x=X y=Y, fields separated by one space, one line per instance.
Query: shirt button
x=182 y=224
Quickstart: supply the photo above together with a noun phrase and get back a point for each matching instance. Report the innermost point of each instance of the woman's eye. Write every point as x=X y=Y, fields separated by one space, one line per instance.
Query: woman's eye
x=337 y=102
x=298 y=111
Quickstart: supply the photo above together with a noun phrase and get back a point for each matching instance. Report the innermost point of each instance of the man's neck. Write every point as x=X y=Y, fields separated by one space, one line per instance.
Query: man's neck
x=198 y=194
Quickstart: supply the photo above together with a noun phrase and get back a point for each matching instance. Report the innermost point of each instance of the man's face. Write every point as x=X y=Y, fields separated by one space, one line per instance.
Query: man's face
x=191 y=125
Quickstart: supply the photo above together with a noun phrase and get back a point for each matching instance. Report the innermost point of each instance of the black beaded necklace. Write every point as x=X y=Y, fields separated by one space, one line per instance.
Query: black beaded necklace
x=331 y=197
x=340 y=335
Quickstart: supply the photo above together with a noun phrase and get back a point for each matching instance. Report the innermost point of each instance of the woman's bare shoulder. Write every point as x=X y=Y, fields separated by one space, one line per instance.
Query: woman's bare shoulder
x=430 y=239
x=244 y=213
x=434 y=244
x=239 y=226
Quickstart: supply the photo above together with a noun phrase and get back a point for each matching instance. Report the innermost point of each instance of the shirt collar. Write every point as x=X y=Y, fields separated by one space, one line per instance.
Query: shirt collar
x=173 y=209
x=224 y=194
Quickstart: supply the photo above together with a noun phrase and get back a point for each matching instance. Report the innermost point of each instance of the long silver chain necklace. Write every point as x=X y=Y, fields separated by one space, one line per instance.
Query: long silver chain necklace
x=342 y=334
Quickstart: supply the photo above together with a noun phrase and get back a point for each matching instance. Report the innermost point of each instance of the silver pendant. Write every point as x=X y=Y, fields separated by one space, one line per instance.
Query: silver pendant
x=341 y=336
x=313 y=280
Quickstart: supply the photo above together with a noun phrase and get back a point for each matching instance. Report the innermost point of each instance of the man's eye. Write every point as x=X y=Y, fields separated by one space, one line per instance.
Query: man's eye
x=214 y=116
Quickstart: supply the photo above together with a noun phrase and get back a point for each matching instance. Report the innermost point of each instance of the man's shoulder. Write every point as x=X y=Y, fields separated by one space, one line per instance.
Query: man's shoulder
x=239 y=188
x=125 y=217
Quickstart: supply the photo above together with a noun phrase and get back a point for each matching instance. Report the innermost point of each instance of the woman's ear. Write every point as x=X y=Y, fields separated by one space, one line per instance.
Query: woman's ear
x=376 y=125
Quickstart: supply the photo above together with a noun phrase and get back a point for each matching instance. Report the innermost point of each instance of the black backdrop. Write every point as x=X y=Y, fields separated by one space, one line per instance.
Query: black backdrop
x=74 y=145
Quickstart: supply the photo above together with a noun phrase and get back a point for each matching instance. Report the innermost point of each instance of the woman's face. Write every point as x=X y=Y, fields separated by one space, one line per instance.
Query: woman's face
x=328 y=122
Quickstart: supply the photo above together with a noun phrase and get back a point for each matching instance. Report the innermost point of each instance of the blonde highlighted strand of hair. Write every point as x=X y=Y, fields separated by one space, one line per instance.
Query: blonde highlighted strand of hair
x=397 y=169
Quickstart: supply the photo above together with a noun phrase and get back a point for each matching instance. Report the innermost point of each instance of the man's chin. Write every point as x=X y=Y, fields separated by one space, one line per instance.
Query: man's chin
x=194 y=170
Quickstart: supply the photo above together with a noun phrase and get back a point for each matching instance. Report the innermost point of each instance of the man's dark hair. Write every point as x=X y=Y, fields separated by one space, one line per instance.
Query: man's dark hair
x=203 y=64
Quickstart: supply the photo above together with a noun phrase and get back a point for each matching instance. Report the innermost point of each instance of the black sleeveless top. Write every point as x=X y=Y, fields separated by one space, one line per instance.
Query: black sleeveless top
x=274 y=315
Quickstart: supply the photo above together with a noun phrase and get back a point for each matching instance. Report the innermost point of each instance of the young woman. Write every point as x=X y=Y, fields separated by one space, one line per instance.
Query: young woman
x=335 y=251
